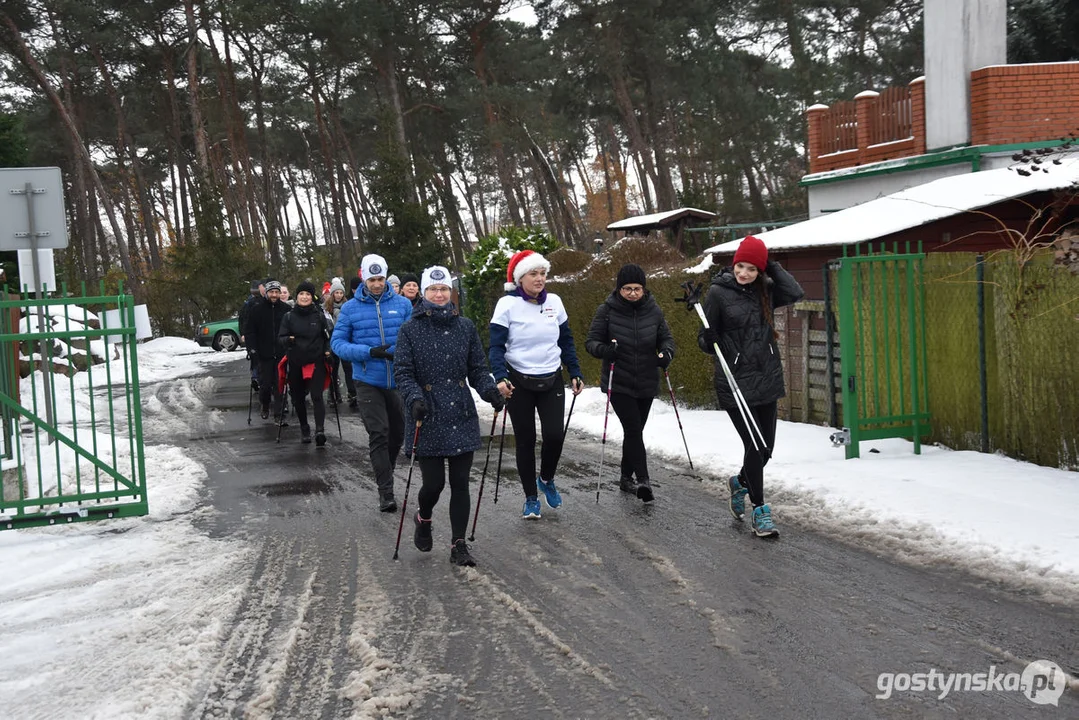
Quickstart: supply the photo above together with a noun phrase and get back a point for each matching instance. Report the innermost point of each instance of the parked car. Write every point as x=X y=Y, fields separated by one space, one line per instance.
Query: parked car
x=219 y=334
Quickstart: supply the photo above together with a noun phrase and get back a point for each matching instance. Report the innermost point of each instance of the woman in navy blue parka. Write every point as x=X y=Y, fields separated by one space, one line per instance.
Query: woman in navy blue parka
x=439 y=354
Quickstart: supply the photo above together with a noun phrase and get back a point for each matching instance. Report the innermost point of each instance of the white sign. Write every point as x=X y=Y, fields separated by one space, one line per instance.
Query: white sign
x=47 y=201
x=44 y=265
x=111 y=320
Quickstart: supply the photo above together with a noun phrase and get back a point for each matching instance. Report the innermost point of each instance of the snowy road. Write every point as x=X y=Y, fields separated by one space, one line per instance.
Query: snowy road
x=598 y=610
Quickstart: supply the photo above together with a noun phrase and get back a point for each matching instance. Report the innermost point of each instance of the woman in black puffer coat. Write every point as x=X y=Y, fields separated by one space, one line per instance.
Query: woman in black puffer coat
x=739 y=308
x=304 y=335
x=630 y=331
x=438 y=355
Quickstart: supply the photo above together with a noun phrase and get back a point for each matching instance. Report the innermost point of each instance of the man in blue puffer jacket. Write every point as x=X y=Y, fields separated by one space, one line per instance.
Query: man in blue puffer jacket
x=366 y=336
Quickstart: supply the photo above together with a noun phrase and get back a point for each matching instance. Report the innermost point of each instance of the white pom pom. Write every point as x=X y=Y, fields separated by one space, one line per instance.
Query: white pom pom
x=510 y=287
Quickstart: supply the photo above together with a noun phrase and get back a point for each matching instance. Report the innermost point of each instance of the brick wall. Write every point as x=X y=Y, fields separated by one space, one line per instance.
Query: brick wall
x=1024 y=103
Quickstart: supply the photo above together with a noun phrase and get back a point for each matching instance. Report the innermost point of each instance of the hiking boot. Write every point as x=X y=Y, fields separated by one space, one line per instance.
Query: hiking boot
x=422 y=535
x=532 y=508
x=550 y=493
x=762 y=522
x=305 y=434
x=255 y=384
x=460 y=555
x=264 y=413
x=387 y=503
x=352 y=402
x=737 y=502
x=627 y=484
x=320 y=437
x=644 y=491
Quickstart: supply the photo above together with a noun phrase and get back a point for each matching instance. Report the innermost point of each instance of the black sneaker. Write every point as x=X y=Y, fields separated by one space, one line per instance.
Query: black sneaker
x=353 y=402
x=305 y=434
x=255 y=384
x=460 y=555
x=627 y=484
x=265 y=412
x=422 y=536
x=320 y=437
x=644 y=491
x=387 y=503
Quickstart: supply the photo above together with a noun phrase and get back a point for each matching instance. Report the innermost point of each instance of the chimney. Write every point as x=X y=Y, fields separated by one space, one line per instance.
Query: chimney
x=960 y=36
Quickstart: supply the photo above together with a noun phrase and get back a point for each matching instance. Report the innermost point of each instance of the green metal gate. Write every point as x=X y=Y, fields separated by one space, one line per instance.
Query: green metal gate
x=881 y=301
x=72 y=422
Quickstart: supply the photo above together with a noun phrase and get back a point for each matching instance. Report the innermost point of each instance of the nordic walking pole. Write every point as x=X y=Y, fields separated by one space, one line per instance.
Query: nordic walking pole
x=250 y=398
x=678 y=417
x=483 y=476
x=603 y=445
x=501 y=445
x=566 y=429
x=408 y=484
x=337 y=414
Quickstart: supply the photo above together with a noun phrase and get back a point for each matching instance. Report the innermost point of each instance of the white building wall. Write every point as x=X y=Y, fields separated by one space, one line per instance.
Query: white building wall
x=960 y=36
x=842 y=194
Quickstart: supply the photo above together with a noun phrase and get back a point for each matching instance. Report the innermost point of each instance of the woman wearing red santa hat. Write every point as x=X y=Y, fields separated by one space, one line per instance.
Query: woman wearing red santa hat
x=530 y=341
x=739 y=307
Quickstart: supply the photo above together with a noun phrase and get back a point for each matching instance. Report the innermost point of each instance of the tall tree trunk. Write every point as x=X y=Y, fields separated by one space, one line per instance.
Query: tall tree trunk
x=202 y=148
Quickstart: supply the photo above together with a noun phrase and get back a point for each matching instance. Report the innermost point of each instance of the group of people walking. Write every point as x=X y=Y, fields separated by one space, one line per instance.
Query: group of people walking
x=411 y=358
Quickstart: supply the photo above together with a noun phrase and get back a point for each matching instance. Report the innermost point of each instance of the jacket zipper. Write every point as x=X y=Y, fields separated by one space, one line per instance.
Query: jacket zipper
x=382 y=336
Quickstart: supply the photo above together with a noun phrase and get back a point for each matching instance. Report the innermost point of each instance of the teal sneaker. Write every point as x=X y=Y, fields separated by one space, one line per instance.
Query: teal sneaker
x=532 y=508
x=762 y=522
x=550 y=493
x=738 y=498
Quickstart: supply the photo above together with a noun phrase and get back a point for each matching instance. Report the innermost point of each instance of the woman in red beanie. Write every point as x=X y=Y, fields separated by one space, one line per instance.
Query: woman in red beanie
x=739 y=307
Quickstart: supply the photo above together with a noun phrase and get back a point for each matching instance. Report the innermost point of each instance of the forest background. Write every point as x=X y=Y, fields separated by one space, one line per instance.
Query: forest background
x=206 y=143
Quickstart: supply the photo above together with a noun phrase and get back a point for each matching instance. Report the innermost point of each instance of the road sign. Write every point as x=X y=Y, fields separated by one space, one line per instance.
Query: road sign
x=45 y=202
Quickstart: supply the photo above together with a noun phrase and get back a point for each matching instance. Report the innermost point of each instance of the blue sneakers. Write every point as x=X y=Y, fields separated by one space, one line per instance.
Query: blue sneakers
x=762 y=522
x=550 y=493
x=738 y=498
x=532 y=508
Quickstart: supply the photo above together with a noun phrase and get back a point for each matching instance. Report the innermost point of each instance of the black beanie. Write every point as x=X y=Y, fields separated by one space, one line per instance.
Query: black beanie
x=354 y=283
x=630 y=274
x=409 y=277
x=307 y=286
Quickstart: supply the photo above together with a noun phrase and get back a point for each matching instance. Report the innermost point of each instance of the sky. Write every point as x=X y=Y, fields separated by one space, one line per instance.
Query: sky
x=89 y=610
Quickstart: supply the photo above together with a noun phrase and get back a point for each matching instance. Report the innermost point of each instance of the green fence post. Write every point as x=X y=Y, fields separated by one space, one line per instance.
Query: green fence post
x=848 y=354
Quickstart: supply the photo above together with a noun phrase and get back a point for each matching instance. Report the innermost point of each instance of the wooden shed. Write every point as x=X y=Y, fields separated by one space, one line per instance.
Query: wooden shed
x=675 y=221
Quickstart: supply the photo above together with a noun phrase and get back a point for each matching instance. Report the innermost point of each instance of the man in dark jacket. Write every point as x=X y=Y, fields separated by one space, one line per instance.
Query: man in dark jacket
x=256 y=296
x=263 y=322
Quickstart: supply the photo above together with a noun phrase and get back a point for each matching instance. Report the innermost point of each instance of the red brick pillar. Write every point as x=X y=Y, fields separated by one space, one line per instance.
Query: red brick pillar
x=814 y=114
x=917 y=114
x=865 y=104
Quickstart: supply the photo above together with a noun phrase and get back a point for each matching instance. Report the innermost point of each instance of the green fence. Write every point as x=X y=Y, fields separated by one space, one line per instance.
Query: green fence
x=881 y=304
x=69 y=393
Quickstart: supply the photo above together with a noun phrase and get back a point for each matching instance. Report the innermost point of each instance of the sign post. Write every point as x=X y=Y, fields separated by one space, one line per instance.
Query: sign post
x=46 y=227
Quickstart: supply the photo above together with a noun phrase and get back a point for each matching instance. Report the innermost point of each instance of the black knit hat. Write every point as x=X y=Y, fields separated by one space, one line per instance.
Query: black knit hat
x=630 y=274
x=409 y=277
x=354 y=283
x=307 y=286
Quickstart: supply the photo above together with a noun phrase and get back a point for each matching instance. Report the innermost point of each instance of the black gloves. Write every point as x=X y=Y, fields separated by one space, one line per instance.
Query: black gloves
x=610 y=351
x=495 y=398
x=664 y=359
x=419 y=410
x=382 y=352
x=711 y=338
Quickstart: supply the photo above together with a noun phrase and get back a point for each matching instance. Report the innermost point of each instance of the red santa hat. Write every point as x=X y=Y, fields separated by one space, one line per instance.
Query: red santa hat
x=522 y=263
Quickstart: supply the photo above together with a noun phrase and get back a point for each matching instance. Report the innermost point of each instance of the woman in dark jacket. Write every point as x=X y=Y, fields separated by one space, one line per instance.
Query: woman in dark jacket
x=739 y=308
x=630 y=331
x=438 y=355
x=305 y=336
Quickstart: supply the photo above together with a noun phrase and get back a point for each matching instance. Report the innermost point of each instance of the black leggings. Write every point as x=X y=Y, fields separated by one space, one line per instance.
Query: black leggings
x=298 y=388
x=433 y=470
x=523 y=406
x=632 y=412
x=752 y=473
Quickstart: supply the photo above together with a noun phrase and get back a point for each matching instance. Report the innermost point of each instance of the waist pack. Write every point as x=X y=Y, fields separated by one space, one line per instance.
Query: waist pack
x=535 y=383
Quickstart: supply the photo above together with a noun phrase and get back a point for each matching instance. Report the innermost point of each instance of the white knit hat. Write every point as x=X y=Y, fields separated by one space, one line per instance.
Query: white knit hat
x=373 y=266
x=435 y=275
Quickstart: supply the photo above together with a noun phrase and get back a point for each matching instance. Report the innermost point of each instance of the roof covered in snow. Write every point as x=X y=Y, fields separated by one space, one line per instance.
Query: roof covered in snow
x=655 y=221
x=914 y=207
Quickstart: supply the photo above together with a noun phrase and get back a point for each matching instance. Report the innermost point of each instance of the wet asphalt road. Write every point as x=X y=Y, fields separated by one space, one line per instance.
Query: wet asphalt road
x=604 y=610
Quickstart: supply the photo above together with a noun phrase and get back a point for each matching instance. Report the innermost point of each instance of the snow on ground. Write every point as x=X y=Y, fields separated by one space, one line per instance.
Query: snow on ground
x=943 y=506
x=127 y=615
